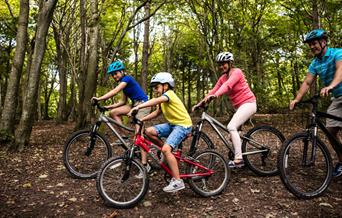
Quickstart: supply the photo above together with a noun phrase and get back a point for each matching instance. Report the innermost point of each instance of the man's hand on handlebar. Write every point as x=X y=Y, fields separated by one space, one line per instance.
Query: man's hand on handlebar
x=293 y=104
x=326 y=90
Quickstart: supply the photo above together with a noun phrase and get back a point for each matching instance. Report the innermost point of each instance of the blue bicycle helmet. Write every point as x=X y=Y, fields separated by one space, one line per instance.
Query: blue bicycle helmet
x=115 y=66
x=315 y=34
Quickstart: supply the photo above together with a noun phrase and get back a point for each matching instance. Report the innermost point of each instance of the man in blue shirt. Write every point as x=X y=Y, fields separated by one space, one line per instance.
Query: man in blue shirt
x=327 y=64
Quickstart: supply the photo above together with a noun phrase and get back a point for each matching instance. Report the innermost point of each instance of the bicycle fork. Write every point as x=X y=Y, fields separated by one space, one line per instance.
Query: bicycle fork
x=92 y=138
x=306 y=149
x=128 y=157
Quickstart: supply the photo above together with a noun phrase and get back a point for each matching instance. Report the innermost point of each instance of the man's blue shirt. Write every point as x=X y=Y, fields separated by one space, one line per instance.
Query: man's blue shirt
x=325 y=68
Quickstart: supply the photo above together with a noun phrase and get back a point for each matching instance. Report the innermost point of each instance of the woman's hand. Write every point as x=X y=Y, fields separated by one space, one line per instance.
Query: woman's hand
x=209 y=98
x=195 y=107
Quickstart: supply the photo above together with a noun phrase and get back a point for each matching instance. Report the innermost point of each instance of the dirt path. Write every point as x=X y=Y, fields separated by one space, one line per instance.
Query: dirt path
x=34 y=183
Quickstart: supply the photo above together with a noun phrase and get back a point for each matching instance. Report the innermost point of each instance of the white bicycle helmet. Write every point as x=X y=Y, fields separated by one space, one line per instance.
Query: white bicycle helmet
x=224 y=57
x=162 y=77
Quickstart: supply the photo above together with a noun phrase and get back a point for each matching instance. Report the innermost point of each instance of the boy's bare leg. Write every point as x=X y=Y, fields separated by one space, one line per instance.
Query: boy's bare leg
x=171 y=160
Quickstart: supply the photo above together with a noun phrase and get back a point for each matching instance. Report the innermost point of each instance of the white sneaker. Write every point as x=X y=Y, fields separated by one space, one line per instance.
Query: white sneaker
x=175 y=185
x=141 y=174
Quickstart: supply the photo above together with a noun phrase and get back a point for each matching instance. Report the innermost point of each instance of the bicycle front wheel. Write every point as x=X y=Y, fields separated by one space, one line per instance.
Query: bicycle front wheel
x=260 y=149
x=214 y=184
x=305 y=169
x=83 y=153
x=203 y=143
x=119 y=187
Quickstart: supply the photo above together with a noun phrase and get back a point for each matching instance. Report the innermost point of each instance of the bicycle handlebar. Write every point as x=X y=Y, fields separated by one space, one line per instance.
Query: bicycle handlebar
x=203 y=106
x=313 y=100
x=95 y=103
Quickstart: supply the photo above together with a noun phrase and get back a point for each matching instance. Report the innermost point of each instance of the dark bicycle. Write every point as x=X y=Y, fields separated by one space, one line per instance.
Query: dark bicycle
x=260 y=144
x=304 y=160
x=85 y=150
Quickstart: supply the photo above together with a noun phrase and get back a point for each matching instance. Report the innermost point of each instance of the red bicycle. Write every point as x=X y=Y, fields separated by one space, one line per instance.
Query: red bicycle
x=120 y=186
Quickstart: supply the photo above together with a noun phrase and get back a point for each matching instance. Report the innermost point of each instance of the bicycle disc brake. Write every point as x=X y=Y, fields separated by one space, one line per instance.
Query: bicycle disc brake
x=264 y=156
x=91 y=146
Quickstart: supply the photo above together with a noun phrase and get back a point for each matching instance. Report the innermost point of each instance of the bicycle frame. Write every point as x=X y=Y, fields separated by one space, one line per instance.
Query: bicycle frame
x=214 y=125
x=320 y=124
x=109 y=121
x=147 y=146
x=313 y=127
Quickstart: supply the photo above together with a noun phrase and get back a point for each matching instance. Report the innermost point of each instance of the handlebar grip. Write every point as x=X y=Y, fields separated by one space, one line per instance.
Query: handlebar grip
x=94 y=102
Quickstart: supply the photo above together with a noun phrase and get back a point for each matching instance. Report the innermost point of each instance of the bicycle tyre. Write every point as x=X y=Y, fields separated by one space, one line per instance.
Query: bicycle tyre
x=214 y=184
x=77 y=162
x=203 y=146
x=114 y=191
x=288 y=173
x=263 y=164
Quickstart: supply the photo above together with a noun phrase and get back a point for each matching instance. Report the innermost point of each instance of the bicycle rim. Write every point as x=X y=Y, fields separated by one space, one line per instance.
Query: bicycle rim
x=301 y=178
x=80 y=164
x=263 y=144
x=118 y=191
x=217 y=182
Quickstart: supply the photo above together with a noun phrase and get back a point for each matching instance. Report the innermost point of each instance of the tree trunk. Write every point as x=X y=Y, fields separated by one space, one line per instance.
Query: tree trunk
x=136 y=34
x=92 y=61
x=82 y=71
x=189 y=88
x=62 y=71
x=10 y=104
x=315 y=25
x=145 y=54
x=72 y=101
x=23 y=132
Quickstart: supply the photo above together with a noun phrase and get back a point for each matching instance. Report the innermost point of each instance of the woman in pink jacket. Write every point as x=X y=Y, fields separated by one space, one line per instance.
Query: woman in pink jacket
x=234 y=85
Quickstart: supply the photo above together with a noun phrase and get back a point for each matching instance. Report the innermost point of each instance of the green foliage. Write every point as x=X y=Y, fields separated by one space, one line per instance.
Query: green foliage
x=185 y=36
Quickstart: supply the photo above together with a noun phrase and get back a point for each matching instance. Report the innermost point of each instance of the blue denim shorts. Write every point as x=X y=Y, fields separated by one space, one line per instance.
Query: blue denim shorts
x=174 y=133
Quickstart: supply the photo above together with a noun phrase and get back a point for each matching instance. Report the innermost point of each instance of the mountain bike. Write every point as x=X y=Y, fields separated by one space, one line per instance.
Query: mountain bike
x=85 y=150
x=120 y=186
x=304 y=160
x=260 y=145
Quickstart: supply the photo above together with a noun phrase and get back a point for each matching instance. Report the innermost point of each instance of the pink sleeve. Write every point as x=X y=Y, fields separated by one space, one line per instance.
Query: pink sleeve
x=217 y=86
x=234 y=77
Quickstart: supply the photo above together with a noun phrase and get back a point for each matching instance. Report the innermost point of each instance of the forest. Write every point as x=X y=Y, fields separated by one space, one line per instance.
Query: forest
x=54 y=54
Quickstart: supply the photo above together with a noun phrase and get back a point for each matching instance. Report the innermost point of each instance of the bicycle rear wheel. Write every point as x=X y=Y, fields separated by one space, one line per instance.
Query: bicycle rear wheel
x=120 y=188
x=261 y=146
x=217 y=182
x=83 y=154
x=303 y=176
